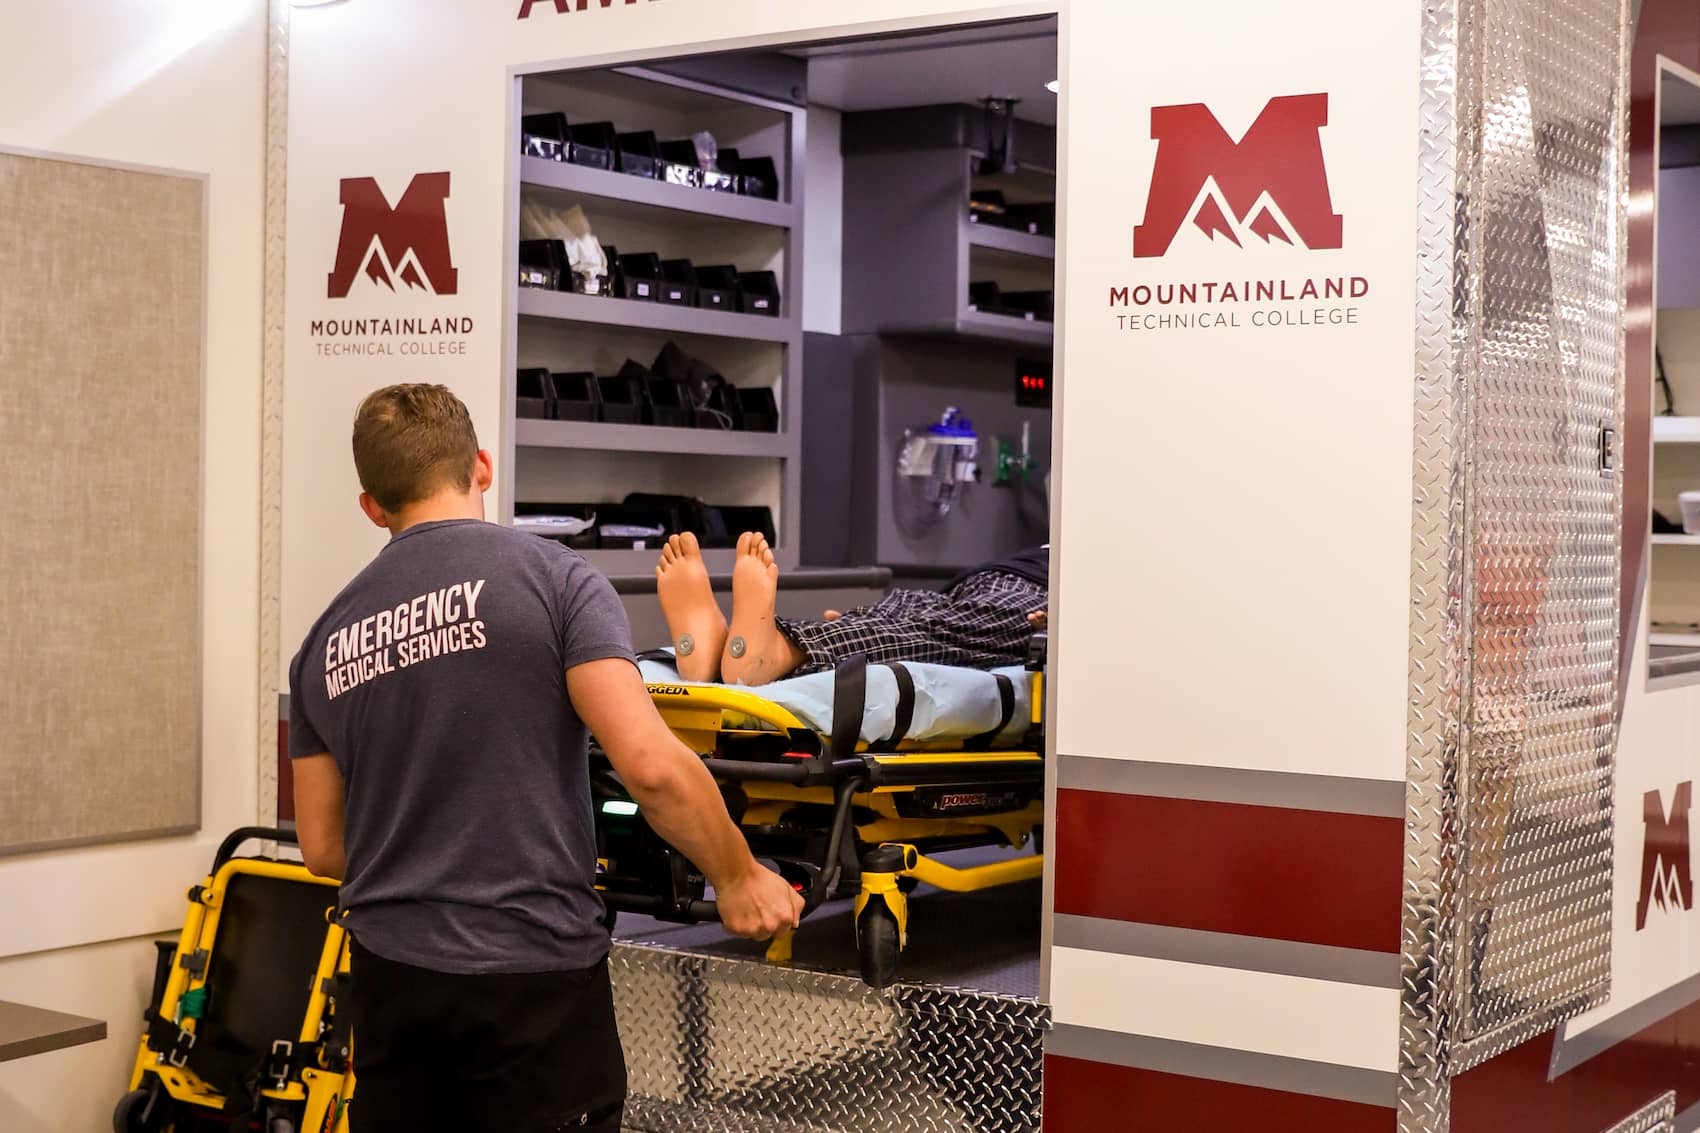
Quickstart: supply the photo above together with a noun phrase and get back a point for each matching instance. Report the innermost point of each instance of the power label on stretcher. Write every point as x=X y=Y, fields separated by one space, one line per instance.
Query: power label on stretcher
x=951 y=804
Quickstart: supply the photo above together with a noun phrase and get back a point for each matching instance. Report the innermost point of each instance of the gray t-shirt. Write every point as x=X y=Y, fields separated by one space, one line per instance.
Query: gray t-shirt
x=437 y=680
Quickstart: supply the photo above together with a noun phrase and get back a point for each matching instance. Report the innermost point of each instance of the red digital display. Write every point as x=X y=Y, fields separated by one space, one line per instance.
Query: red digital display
x=1033 y=384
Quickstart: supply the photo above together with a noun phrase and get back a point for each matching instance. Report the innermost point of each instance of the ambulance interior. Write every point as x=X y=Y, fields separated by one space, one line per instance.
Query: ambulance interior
x=808 y=292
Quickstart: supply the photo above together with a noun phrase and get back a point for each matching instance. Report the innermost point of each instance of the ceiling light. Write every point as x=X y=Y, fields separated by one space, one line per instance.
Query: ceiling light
x=1054 y=85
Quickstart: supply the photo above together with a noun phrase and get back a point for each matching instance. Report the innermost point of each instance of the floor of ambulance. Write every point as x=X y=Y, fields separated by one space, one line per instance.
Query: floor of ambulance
x=987 y=942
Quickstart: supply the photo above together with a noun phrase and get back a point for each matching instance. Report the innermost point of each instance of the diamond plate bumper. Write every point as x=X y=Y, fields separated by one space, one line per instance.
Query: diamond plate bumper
x=718 y=1045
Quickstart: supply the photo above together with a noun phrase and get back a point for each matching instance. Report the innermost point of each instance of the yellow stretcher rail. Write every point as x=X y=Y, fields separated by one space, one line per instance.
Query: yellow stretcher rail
x=697 y=713
x=973 y=879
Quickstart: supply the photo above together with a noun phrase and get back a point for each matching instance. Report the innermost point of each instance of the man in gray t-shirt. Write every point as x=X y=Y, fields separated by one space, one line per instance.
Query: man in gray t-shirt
x=438 y=715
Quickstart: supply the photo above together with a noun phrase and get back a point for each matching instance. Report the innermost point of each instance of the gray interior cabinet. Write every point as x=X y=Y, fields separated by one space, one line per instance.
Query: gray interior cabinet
x=914 y=345
x=911 y=247
x=565 y=462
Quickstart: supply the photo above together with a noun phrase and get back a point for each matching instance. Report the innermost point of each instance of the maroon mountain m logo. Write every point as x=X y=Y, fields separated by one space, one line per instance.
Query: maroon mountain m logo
x=1665 y=872
x=407 y=244
x=1273 y=181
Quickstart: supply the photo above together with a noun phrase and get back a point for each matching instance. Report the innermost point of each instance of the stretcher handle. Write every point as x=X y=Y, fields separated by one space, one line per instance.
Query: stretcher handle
x=233 y=841
x=799 y=772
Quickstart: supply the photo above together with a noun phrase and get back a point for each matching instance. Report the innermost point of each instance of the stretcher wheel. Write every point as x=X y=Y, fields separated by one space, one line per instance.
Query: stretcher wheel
x=141 y=1111
x=881 y=947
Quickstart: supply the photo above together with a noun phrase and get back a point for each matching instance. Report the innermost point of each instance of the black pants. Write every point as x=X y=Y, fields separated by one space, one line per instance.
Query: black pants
x=442 y=1053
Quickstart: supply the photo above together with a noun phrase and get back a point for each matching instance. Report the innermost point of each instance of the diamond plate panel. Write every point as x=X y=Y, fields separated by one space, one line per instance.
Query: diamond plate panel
x=1657 y=1116
x=717 y=1045
x=1543 y=557
x=1446 y=135
x=1516 y=530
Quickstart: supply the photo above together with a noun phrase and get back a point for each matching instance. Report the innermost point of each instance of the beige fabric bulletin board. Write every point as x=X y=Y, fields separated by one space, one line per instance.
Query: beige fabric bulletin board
x=101 y=325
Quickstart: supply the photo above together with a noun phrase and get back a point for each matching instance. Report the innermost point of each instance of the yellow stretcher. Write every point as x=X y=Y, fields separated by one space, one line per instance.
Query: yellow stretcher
x=837 y=817
x=241 y=1029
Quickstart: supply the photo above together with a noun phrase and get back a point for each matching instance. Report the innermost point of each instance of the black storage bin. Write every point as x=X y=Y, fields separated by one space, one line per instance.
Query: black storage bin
x=668 y=403
x=758 y=178
x=1038 y=305
x=533 y=397
x=1035 y=220
x=543 y=263
x=629 y=515
x=672 y=362
x=584 y=541
x=717 y=287
x=676 y=513
x=616 y=280
x=639 y=155
x=588 y=284
x=724 y=177
x=737 y=520
x=680 y=164
x=759 y=410
x=678 y=283
x=987 y=207
x=758 y=293
x=987 y=298
x=723 y=409
x=576 y=396
x=545 y=136
x=700 y=383
x=594 y=144
x=622 y=395
x=640 y=277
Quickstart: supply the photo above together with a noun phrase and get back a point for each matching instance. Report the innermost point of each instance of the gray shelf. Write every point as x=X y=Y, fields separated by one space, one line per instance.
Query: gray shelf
x=614 y=563
x=1010 y=241
x=549 y=327
x=1005 y=328
x=915 y=279
x=628 y=195
x=564 y=306
x=593 y=436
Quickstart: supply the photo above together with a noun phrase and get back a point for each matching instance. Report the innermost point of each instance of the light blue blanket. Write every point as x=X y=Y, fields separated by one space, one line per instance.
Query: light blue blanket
x=950 y=703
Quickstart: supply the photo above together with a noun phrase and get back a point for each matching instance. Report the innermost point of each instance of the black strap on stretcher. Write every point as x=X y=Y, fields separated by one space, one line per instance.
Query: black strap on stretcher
x=905 y=707
x=1006 y=694
x=849 y=702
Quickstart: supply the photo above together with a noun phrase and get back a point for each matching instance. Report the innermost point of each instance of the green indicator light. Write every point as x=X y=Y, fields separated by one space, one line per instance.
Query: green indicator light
x=620 y=807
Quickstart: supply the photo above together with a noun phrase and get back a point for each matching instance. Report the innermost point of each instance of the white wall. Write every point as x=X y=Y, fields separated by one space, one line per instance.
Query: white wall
x=178 y=84
x=73 y=1091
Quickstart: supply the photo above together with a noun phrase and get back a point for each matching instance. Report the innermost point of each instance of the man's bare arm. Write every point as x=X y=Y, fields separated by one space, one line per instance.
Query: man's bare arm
x=679 y=798
x=318 y=814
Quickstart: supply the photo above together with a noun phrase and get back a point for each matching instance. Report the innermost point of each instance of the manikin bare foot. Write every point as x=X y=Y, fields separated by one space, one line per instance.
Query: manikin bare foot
x=694 y=620
x=756 y=652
